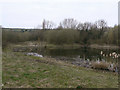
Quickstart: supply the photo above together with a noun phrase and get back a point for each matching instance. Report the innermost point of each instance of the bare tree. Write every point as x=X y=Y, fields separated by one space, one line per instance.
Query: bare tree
x=87 y=26
x=60 y=26
x=69 y=23
x=43 y=24
x=84 y=26
x=101 y=24
x=48 y=24
x=93 y=26
x=80 y=26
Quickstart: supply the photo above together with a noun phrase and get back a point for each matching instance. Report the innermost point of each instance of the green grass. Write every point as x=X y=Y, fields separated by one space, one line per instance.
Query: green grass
x=48 y=45
x=21 y=71
x=65 y=46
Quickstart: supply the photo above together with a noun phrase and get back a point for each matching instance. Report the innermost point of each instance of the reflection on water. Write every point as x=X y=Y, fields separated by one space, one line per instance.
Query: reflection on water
x=83 y=53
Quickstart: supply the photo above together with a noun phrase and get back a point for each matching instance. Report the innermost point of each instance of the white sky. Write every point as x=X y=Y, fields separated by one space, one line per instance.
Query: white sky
x=30 y=13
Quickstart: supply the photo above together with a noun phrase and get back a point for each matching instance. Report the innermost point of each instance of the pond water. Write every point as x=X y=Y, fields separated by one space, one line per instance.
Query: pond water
x=83 y=53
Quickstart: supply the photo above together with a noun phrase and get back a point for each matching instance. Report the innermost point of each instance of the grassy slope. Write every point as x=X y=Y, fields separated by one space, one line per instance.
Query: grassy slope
x=28 y=71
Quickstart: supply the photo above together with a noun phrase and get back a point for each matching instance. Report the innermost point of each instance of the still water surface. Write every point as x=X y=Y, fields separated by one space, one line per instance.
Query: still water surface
x=83 y=53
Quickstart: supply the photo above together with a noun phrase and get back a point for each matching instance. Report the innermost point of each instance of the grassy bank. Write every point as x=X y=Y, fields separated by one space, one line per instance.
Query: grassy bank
x=104 y=46
x=21 y=71
x=65 y=46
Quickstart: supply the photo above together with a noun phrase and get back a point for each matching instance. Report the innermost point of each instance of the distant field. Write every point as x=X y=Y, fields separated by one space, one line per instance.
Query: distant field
x=19 y=29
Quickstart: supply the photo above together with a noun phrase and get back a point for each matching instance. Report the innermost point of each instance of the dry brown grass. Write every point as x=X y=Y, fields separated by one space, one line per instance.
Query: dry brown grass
x=100 y=65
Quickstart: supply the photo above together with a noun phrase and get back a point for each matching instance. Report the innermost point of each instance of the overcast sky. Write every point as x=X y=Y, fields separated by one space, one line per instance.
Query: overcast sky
x=30 y=13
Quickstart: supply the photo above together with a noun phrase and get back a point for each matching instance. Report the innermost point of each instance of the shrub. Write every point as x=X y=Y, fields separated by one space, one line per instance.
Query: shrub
x=62 y=36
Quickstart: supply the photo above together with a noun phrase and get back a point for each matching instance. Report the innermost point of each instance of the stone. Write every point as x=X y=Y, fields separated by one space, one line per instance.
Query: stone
x=34 y=54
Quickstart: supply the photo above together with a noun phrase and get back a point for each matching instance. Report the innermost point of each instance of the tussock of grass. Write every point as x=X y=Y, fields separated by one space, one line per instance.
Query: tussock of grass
x=100 y=65
x=103 y=66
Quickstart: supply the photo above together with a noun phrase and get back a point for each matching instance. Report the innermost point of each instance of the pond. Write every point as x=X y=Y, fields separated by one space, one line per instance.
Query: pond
x=84 y=53
x=106 y=59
